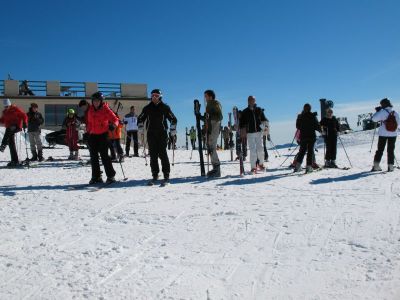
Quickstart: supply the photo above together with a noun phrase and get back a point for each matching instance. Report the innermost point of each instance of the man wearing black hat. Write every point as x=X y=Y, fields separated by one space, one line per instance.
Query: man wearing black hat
x=156 y=113
x=389 y=120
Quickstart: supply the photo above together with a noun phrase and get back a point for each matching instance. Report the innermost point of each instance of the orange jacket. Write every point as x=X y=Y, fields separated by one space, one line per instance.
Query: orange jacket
x=116 y=134
x=13 y=115
x=99 y=119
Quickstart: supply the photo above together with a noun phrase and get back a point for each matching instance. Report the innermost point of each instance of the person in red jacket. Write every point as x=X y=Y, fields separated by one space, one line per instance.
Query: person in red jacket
x=71 y=124
x=100 y=120
x=115 y=141
x=14 y=119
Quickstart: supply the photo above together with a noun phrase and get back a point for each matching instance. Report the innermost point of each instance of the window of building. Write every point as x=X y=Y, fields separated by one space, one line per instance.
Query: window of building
x=55 y=113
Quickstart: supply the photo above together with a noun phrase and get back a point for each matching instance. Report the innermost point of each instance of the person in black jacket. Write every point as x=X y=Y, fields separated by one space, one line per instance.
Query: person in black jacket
x=35 y=120
x=156 y=113
x=252 y=123
x=330 y=129
x=307 y=123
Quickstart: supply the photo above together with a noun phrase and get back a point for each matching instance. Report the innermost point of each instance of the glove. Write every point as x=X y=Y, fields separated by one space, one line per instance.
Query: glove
x=378 y=108
x=125 y=122
x=112 y=127
x=140 y=129
x=24 y=126
x=172 y=130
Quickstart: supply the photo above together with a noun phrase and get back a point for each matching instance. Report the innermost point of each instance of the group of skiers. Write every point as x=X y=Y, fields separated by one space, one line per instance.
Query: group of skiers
x=103 y=132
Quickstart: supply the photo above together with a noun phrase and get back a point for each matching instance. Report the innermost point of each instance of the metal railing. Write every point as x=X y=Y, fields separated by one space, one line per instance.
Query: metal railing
x=69 y=88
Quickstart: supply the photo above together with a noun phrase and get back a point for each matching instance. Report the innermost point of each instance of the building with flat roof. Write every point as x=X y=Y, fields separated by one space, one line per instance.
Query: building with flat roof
x=54 y=98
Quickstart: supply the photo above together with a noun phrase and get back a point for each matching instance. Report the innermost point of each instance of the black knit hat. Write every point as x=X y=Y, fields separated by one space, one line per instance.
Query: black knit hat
x=307 y=107
x=386 y=103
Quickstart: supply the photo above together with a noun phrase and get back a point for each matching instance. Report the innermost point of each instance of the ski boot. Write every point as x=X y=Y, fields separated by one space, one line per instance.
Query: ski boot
x=333 y=164
x=40 y=155
x=315 y=166
x=309 y=169
x=376 y=167
x=327 y=164
x=390 y=168
x=76 y=155
x=297 y=167
x=215 y=172
x=165 y=182
x=71 y=155
x=13 y=164
x=153 y=181
x=261 y=167
x=95 y=180
x=121 y=158
x=34 y=156
x=110 y=180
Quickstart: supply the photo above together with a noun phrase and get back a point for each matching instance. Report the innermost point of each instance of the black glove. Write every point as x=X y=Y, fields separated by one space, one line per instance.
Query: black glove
x=378 y=108
x=125 y=122
x=24 y=125
x=111 y=127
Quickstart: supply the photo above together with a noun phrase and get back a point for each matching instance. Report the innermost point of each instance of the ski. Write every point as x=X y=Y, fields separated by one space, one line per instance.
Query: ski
x=102 y=186
x=239 y=144
x=164 y=183
x=199 y=136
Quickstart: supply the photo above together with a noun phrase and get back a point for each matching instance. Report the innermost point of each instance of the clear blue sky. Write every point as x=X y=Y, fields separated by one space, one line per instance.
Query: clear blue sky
x=285 y=53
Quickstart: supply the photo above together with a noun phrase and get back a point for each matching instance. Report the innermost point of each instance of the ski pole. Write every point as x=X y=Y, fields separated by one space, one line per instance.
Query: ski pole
x=345 y=151
x=173 y=152
x=373 y=137
x=274 y=148
x=292 y=143
x=144 y=150
x=289 y=156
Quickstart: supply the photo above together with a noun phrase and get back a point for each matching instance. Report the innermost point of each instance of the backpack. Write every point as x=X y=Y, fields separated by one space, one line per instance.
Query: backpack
x=390 y=122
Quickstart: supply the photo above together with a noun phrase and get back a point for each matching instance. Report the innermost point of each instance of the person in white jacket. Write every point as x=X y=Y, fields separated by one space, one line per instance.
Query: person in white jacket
x=130 y=121
x=390 y=121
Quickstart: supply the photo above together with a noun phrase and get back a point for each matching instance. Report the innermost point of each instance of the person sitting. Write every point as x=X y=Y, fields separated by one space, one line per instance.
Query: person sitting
x=24 y=89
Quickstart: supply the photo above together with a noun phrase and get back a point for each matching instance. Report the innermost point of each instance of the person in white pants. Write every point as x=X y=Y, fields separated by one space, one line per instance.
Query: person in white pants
x=252 y=123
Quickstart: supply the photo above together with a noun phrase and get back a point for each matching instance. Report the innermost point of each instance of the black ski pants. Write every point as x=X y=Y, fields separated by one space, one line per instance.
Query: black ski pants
x=9 y=140
x=306 y=145
x=391 y=141
x=193 y=144
x=115 y=145
x=132 y=135
x=98 y=144
x=158 y=149
x=331 y=147
x=265 y=147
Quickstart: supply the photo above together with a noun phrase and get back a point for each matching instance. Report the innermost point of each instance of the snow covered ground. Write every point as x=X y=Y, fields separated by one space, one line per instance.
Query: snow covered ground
x=333 y=234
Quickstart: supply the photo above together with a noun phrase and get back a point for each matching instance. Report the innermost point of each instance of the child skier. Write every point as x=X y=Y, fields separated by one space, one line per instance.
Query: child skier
x=71 y=124
x=115 y=141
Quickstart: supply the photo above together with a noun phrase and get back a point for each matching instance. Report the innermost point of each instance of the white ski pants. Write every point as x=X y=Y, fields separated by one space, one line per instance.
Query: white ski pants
x=255 y=144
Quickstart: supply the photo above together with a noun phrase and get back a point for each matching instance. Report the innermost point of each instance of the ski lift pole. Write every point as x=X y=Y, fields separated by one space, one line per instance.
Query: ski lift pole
x=345 y=151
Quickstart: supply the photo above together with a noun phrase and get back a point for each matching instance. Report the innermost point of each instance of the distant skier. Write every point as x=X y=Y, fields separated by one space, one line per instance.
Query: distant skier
x=115 y=142
x=252 y=124
x=192 y=135
x=307 y=123
x=330 y=130
x=156 y=113
x=14 y=119
x=35 y=120
x=24 y=89
x=213 y=119
x=225 y=135
x=71 y=124
x=131 y=126
x=100 y=120
x=387 y=133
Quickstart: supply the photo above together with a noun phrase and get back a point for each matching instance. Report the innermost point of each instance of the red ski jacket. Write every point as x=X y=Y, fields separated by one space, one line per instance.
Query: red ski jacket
x=99 y=120
x=13 y=115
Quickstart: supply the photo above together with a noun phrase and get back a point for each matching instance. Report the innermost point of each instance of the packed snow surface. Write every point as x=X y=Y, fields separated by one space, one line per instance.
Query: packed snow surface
x=333 y=234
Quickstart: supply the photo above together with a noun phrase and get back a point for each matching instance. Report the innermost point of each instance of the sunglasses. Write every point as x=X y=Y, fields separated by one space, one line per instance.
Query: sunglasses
x=155 y=95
